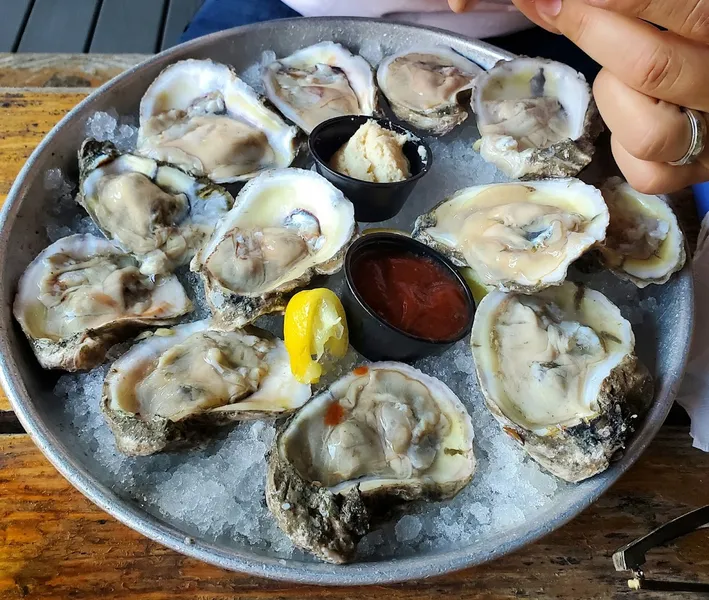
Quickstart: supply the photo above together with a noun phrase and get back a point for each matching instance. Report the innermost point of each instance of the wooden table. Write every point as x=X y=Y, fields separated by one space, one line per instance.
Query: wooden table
x=55 y=544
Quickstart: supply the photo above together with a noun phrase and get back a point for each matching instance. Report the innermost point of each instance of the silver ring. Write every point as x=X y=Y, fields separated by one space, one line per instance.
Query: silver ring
x=699 y=138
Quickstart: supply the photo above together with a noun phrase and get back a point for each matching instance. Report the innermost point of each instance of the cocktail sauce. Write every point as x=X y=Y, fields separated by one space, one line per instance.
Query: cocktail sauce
x=413 y=293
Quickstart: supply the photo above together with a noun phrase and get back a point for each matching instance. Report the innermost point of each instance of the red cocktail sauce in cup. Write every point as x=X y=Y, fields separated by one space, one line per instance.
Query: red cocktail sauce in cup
x=413 y=293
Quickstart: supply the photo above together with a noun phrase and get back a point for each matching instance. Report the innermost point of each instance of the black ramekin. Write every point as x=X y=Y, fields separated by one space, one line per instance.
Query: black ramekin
x=373 y=202
x=369 y=333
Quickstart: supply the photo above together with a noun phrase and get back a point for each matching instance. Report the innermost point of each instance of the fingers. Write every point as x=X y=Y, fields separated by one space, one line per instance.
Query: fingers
x=648 y=74
x=656 y=63
x=688 y=18
x=648 y=129
x=459 y=5
x=654 y=177
x=647 y=134
x=529 y=9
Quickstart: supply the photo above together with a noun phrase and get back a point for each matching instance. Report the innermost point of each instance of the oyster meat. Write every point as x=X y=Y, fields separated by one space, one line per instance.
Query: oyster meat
x=644 y=243
x=517 y=236
x=558 y=372
x=286 y=226
x=83 y=294
x=181 y=383
x=199 y=116
x=427 y=87
x=320 y=82
x=537 y=118
x=154 y=210
x=384 y=435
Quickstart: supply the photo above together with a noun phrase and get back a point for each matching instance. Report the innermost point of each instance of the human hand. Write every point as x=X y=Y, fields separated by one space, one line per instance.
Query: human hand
x=647 y=75
x=459 y=6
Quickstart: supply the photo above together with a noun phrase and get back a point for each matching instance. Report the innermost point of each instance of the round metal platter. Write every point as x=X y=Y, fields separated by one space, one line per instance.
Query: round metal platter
x=30 y=388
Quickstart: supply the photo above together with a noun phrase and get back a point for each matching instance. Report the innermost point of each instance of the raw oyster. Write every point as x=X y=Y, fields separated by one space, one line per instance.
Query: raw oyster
x=199 y=116
x=537 y=118
x=559 y=373
x=286 y=226
x=384 y=435
x=180 y=383
x=517 y=236
x=83 y=294
x=427 y=87
x=320 y=82
x=156 y=211
x=644 y=243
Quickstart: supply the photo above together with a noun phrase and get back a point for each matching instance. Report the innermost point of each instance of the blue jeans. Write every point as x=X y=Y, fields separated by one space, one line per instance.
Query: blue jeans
x=216 y=15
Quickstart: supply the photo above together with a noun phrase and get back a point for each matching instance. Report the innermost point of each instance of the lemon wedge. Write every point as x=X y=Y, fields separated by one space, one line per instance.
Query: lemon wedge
x=315 y=332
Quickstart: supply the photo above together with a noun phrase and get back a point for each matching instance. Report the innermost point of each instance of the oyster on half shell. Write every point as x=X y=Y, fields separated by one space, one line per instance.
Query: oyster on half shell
x=537 y=118
x=559 y=373
x=320 y=82
x=83 y=294
x=154 y=210
x=644 y=243
x=199 y=116
x=179 y=384
x=286 y=226
x=428 y=87
x=382 y=436
x=517 y=236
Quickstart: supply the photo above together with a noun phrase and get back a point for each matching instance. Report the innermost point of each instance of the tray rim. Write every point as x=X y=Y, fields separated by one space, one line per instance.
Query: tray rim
x=132 y=515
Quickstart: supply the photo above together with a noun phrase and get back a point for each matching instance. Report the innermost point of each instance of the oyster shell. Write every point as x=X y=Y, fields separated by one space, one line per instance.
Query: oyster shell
x=83 y=294
x=179 y=384
x=644 y=243
x=382 y=436
x=537 y=118
x=559 y=373
x=199 y=116
x=517 y=236
x=156 y=211
x=427 y=86
x=320 y=82
x=286 y=226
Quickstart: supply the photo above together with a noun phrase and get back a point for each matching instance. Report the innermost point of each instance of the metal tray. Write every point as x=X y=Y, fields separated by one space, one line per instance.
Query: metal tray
x=30 y=389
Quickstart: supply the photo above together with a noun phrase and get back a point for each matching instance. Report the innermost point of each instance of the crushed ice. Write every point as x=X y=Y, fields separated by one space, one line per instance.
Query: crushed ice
x=64 y=216
x=217 y=492
x=109 y=126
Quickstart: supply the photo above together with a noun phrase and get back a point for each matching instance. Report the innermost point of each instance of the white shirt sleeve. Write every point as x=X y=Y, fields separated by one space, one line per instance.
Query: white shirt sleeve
x=488 y=18
x=363 y=8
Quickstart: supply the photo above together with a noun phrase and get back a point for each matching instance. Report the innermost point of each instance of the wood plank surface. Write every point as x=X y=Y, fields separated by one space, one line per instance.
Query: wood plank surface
x=25 y=118
x=59 y=26
x=54 y=544
x=129 y=26
x=63 y=70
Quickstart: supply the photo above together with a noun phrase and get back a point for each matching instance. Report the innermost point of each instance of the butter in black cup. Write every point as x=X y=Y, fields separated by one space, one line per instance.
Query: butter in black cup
x=373 y=202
